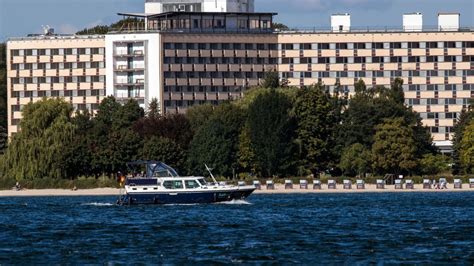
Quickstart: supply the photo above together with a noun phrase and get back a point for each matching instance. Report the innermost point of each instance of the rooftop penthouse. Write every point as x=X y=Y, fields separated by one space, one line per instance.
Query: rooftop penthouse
x=199 y=22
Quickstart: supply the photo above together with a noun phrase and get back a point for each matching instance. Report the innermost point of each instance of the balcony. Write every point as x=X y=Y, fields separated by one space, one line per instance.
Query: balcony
x=131 y=68
x=125 y=53
x=130 y=82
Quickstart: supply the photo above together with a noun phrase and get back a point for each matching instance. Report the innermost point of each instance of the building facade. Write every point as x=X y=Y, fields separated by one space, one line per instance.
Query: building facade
x=186 y=58
x=72 y=67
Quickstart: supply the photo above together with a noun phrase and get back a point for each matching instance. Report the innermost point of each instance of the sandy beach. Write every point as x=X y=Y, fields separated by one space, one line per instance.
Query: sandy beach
x=279 y=189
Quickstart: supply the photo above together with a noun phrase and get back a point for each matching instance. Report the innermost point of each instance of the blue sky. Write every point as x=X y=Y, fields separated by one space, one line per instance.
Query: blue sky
x=20 y=17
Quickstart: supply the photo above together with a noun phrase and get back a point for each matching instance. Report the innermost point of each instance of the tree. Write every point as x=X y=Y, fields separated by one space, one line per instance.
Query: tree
x=467 y=115
x=120 y=25
x=271 y=79
x=434 y=164
x=279 y=26
x=3 y=139
x=216 y=143
x=316 y=118
x=165 y=150
x=394 y=149
x=37 y=151
x=356 y=159
x=198 y=115
x=271 y=130
x=466 y=151
x=246 y=154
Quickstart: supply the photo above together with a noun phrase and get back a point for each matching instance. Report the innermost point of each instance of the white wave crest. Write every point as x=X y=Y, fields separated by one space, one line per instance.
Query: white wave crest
x=97 y=204
x=236 y=202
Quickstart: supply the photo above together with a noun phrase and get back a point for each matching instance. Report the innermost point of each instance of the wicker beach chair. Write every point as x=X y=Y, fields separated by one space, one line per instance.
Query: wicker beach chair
x=270 y=185
x=331 y=184
x=443 y=183
x=409 y=184
x=257 y=184
x=457 y=183
x=316 y=184
x=347 y=184
x=380 y=184
x=288 y=184
x=471 y=182
x=360 y=184
x=398 y=184
x=303 y=184
x=426 y=184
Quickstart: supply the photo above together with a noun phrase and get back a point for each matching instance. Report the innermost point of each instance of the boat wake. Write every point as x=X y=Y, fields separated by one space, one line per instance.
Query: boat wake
x=235 y=202
x=100 y=204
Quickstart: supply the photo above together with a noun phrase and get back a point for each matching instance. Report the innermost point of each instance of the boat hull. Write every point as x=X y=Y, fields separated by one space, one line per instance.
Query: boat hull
x=185 y=197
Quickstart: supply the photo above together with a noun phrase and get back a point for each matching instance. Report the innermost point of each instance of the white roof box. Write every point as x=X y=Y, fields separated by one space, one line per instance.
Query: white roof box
x=448 y=21
x=413 y=21
x=341 y=22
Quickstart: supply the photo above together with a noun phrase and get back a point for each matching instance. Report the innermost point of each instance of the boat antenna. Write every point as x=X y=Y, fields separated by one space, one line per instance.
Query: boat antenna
x=209 y=170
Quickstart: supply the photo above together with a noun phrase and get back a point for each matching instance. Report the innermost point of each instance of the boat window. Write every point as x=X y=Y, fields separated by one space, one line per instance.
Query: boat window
x=173 y=184
x=191 y=184
x=202 y=181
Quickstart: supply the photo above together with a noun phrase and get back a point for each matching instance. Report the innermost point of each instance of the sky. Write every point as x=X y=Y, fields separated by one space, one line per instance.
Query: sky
x=21 y=17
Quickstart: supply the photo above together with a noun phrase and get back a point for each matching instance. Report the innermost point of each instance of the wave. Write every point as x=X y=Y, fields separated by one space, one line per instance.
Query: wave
x=235 y=202
x=98 y=204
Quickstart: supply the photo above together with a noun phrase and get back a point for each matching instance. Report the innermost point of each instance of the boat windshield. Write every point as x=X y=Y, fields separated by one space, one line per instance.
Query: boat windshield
x=202 y=181
x=161 y=170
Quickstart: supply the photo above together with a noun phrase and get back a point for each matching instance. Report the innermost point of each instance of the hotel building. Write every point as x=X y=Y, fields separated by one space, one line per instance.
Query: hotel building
x=186 y=58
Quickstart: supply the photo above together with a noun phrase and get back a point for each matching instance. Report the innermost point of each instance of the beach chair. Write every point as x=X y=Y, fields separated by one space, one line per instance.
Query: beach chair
x=346 y=184
x=303 y=184
x=257 y=184
x=331 y=184
x=288 y=184
x=409 y=184
x=380 y=184
x=471 y=182
x=426 y=184
x=398 y=184
x=360 y=184
x=457 y=183
x=270 y=185
x=241 y=183
x=316 y=184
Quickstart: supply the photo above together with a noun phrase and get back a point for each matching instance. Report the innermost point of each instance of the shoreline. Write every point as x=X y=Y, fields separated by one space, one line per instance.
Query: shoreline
x=279 y=189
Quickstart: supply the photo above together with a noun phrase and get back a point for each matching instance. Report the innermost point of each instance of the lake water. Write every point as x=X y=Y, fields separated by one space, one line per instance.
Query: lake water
x=354 y=228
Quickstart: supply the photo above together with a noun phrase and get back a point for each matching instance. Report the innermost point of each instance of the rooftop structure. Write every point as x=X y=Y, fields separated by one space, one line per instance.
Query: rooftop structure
x=163 y=6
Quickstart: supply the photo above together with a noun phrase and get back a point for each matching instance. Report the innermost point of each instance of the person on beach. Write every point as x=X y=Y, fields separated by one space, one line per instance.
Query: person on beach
x=17 y=186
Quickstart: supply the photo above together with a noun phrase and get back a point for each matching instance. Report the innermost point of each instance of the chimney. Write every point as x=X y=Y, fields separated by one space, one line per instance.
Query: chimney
x=413 y=22
x=341 y=22
x=448 y=21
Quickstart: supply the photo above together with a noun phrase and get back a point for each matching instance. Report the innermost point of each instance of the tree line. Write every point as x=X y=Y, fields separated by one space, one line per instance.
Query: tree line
x=274 y=131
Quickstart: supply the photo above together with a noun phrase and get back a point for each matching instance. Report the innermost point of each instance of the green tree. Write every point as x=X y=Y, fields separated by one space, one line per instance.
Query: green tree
x=279 y=26
x=37 y=150
x=434 y=164
x=165 y=150
x=466 y=116
x=3 y=139
x=198 y=115
x=271 y=79
x=246 y=154
x=466 y=151
x=123 y=24
x=356 y=159
x=394 y=149
x=317 y=119
x=271 y=130
x=216 y=143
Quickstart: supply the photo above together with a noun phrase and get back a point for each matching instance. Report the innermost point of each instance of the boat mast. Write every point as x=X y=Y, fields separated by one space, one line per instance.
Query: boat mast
x=209 y=170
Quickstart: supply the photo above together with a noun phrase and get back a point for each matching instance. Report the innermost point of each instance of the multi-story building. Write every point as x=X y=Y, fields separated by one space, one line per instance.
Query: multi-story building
x=189 y=58
x=72 y=67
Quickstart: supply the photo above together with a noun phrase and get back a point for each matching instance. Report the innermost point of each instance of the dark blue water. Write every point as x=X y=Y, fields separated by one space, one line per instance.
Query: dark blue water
x=284 y=229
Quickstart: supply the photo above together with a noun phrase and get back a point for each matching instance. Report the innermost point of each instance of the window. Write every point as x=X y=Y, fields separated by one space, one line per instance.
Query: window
x=95 y=51
x=432 y=45
x=433 y=115
x=68 y=51
x=175 y=184
x=41 y=51
x=414 y=45
x=413 y=73
x=431 y=59
x=81 y=51
x=468 y=58
x=450 y=101
x=377 y=45
x=450 y=73
x=360 y=74
x=450 y=59
x=305 y=60
x=413 y=59
x=323 y=60
x=413 y=87
x=323 y=46
x=396 y=73
x=341 y=45
x=395 y=59
x=41 y=94
x=287 y=46
x=377 y=74
x=451 y=115
x=190 y=184
x=359 y=45
x=305 y=46
x=449 y=44
x=377 y=59
x=450 y=87
x=81 y=93
x=359 y=59
x=395 y=45
x=341 y=60
x=468 y=44
x=432 y=73
x=68 y=93
x=434 y=129
x=432 y=87
x=432 y=101
x=54 y=93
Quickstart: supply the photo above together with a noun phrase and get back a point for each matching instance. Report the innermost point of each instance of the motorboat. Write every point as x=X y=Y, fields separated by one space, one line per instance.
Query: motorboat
x=159 y=183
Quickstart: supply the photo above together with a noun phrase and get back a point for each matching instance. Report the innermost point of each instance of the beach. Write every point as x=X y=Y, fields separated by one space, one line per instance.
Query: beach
x=279 y=189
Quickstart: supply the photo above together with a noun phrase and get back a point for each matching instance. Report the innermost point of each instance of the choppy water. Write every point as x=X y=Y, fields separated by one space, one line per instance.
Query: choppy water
x=357 y=228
